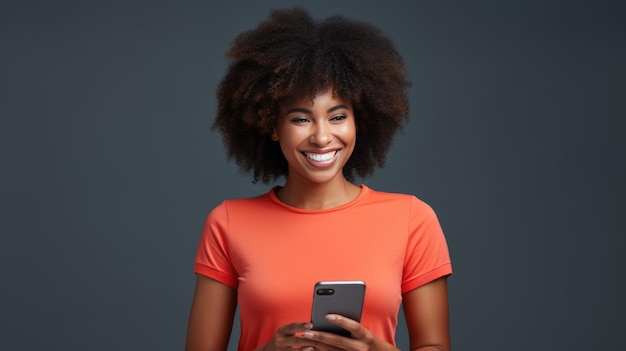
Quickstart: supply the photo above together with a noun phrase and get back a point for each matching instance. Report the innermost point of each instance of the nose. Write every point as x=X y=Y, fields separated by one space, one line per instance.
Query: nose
x=321 y=135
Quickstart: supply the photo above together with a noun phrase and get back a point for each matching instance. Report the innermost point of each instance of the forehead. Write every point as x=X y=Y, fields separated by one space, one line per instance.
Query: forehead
x=323 y=98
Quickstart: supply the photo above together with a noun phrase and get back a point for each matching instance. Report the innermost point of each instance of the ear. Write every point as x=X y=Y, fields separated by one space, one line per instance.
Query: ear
x=274 y=135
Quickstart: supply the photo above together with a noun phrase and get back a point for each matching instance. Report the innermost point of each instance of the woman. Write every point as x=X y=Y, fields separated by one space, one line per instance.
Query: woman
x=316 y=103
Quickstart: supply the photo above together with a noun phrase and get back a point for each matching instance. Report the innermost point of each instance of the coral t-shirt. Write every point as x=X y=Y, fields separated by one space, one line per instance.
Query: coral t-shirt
x=273 y=254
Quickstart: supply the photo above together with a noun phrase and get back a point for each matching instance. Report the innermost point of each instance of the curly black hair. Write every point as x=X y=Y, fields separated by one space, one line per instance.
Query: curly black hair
x=290 y=56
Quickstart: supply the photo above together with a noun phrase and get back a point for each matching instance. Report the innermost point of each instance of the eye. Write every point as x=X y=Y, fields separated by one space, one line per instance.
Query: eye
x=299 y=120
x=338 y=118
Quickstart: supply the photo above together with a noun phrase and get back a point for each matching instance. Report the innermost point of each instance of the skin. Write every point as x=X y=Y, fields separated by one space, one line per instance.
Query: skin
x=325 y=125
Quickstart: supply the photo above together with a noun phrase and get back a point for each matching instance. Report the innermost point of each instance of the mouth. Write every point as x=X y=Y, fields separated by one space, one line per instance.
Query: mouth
x=320 y=157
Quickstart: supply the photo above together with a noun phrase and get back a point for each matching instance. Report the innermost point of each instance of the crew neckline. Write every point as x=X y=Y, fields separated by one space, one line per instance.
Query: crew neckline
x=362 y=195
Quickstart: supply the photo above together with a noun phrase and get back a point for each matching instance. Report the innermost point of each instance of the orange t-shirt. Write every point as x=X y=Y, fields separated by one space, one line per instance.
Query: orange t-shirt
x=273 y=254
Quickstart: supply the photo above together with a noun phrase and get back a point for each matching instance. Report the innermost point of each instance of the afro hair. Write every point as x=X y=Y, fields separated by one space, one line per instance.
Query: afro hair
x=290 y=56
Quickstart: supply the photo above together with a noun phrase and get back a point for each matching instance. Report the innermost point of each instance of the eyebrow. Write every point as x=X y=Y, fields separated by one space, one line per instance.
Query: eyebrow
x=307 y=111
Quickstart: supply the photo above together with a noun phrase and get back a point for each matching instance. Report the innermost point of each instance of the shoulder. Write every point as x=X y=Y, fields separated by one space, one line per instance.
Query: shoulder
x=233 y=207
x=401 y=200
x=402 y=206
x=246 y=203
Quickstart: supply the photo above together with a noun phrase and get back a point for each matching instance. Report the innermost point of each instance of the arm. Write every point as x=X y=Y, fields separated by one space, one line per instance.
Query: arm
x=212 y=315
x=426 y=313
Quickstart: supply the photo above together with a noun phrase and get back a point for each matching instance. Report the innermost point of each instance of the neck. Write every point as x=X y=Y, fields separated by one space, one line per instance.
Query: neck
x=312 y=196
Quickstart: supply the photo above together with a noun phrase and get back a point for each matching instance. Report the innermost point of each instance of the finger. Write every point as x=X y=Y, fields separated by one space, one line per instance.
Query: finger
x=293 y=342
x=301 y=342
x=344 y=322
x=293 y=328
x=330 y=342
x=321 y=347
x=354 y=327
x=289 y=336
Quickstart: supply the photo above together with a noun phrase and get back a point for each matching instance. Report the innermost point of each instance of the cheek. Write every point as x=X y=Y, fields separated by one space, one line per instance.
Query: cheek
x=349 y=131
x=292 y=137
x=288 y=143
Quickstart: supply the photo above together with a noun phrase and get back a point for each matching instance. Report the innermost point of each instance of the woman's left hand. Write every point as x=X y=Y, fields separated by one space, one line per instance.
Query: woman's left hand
x=361 y=340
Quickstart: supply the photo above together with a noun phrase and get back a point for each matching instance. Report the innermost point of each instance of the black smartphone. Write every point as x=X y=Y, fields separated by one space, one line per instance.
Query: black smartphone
x=343 y=297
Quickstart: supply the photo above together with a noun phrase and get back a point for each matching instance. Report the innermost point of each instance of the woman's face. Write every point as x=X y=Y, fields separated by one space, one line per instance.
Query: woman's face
x=317 y=138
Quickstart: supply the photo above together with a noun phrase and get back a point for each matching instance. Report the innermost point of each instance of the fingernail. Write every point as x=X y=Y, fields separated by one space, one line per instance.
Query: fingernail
x=308 y=326
x=307 y=334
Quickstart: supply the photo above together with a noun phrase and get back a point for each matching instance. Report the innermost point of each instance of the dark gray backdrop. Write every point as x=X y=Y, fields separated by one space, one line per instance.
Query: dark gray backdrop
x=109 y=168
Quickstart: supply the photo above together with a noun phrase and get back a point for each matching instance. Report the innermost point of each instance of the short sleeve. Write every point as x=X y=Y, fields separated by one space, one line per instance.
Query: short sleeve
x=212 y=258
x=427 y=257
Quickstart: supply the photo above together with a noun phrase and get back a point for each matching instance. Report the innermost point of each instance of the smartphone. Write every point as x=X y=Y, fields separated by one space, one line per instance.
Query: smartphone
x=341 y=297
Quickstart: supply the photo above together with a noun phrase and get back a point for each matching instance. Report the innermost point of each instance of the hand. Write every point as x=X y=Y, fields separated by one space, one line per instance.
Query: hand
x=361 y=340
x=289 y=336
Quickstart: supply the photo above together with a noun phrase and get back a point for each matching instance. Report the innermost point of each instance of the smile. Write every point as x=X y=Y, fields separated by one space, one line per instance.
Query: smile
x=320 y=157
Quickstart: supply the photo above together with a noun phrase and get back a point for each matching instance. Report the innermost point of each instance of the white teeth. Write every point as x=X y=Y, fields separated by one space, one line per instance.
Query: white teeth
x=320 y=157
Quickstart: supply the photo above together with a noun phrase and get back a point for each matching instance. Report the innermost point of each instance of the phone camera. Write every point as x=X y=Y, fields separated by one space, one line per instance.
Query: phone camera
x=325 y=291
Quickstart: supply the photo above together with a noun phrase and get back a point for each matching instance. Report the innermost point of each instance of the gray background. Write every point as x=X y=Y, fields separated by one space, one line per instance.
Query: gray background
x=517 y=139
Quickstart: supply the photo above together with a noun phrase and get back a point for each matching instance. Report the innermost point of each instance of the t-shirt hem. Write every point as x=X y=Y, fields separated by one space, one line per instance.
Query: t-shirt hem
x=221 y=277
x=423 y=279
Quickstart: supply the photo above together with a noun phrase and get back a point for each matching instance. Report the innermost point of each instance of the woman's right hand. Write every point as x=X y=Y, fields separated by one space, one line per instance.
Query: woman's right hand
x=289 y=336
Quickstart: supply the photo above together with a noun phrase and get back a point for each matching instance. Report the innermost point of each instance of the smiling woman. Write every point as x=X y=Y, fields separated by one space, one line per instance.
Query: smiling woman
x=290 y=57
x=317 y=138
x=316 y=103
